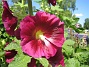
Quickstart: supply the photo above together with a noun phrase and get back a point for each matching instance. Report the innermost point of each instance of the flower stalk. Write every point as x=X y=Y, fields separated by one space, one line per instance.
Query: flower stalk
x=23 y=2
x=30 y=7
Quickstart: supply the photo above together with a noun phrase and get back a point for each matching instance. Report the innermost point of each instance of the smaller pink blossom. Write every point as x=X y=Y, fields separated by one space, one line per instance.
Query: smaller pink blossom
x=9 y=21
x=9 y=55
x=53 y=2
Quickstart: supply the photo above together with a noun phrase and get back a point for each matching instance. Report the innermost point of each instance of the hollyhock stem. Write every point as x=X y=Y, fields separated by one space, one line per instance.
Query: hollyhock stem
x=30 y=7
x=23 y=2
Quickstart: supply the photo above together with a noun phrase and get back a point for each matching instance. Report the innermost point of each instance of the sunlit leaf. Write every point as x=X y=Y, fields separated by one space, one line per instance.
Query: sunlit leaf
x=20 y=61
x=2 y=53
x=14 y=46
x=69 y=42
x=56 y=8
x=72 y=63
x=68 y=50
x=43 y=61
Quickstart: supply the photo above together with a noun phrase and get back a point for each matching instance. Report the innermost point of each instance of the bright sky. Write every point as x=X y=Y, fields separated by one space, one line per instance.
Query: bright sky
x=82 y=12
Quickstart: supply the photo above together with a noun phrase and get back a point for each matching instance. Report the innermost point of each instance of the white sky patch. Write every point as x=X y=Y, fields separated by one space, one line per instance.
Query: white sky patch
x=79 y=15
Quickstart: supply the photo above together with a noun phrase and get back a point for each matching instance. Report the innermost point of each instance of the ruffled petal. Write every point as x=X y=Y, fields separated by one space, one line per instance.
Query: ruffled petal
x=46 y=21
x=17 y=33
x=33 y=48
x=49 y=49
x=57 y=37
x=58 y=59
x=27 y=27
x=32 y=63
x=38 y=48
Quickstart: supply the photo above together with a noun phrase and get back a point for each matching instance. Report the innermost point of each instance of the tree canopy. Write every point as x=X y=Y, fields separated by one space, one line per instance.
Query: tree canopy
x=86 y=24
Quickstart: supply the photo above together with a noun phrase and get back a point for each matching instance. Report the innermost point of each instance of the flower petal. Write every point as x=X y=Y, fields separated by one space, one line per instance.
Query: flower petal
x=17 y=33
x=27 y=27
x=37 y=48
x=32 y=63
x=46 y=20
x=58 y=59
x=33 y=48
x=57 y=37
x=49 y=49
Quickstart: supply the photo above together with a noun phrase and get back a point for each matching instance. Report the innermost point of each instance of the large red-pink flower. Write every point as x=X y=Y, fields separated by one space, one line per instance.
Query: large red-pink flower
x=53 y=2
x=41 y=35
x=8 y=19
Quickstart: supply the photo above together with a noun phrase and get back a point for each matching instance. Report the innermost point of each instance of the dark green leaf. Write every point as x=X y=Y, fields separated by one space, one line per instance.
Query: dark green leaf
x=84 y=66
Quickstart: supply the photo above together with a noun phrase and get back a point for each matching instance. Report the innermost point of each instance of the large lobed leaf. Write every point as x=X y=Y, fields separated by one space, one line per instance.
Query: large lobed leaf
x=20 y=61
x=69 y=42
x=72 y=63
x=14 y=46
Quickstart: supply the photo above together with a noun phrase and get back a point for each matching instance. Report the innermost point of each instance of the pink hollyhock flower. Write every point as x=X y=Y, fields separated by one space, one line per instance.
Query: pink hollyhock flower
x=9 y=55
x=41 y=35
x=8 y=19
x=53 y=2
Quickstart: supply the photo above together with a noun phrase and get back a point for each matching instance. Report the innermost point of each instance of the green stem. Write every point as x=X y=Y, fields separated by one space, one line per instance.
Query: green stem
x=23 y=2
x=30 y=7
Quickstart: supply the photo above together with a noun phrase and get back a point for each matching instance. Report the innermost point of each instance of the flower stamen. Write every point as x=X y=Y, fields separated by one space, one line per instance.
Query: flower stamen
x=39 y=34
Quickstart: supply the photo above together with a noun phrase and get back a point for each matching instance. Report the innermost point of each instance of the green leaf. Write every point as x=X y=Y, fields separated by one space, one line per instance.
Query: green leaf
x=43 y=61
x=20 y=61
x=66 y=34
x=76 y=19
x=84 y=66
x=68 y=50
x=68 y=47
x=83 y=57
x=14 y=46
x=37 y=0
x=59 y=1
x=72 y=63
x=11 y=46
x=56 y=8
x=69 y=42
x=2 y=53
